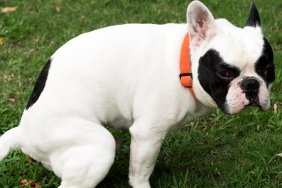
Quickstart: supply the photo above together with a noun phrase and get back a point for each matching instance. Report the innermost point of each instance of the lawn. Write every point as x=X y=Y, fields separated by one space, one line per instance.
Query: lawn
x=216 y=151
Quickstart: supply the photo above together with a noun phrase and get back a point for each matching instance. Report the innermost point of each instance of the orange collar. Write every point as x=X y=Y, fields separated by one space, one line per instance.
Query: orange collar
x=186 y=77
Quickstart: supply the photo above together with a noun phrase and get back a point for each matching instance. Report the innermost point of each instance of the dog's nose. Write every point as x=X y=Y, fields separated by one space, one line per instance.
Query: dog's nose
x=250 y=87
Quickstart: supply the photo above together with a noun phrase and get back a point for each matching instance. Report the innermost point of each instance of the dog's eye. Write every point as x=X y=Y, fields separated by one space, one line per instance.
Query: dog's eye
x=268 y=74
x=227 y=74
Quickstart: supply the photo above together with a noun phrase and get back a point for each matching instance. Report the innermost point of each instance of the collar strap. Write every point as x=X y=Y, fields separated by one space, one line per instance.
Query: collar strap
x=186 y=77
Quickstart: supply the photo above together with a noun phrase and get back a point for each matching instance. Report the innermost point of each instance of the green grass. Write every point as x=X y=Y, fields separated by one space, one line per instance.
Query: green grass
x=217 y=151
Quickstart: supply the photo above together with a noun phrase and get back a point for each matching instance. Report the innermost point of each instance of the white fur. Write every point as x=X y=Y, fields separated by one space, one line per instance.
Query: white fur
x=123 y=76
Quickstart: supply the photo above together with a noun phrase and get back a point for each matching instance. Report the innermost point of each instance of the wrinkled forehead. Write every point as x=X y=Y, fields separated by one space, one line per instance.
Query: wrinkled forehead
x=240 y=47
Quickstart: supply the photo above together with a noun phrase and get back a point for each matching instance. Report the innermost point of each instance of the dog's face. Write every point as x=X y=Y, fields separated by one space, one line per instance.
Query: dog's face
x=232 y=67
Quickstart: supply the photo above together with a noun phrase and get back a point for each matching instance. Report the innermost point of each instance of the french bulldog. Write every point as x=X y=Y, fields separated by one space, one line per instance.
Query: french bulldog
x=127 y=76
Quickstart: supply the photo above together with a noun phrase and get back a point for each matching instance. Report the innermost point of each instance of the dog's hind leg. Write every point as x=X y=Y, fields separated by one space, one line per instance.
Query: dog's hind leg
x=85 y=168
x=86 y=160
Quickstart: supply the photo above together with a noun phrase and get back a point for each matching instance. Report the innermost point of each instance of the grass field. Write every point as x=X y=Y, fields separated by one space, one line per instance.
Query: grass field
x=217 y=151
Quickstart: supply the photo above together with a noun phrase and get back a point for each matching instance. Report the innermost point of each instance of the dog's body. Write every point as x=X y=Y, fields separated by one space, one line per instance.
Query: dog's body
x=127 y=76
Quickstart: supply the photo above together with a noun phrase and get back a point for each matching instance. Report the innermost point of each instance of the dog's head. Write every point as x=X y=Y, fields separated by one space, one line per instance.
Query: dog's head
x=232 y=67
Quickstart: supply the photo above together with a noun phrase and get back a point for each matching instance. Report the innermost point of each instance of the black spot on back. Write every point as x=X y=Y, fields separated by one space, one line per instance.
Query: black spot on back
x=211 y=71
x=265 y=66
x=39 y=84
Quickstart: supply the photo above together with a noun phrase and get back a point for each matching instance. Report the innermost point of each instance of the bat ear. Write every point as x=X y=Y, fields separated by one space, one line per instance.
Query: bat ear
x=254 y=19
x=200 y=21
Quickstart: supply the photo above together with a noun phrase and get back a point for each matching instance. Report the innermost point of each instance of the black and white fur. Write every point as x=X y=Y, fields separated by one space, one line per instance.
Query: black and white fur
x=126 y=76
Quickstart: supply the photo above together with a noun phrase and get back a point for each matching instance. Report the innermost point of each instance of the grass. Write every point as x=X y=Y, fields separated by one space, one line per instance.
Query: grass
x=217 y=151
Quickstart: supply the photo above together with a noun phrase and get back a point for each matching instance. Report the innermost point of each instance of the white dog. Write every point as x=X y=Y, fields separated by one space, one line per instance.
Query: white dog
x=127 y=76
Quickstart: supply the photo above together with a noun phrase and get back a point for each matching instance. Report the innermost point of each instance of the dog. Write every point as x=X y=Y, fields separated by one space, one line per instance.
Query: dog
x=131 y=76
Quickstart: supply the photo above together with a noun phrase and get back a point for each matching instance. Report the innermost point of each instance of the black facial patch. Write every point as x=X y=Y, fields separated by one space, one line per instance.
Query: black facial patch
x=215 y=76
x=265 y=66
x=39 y=84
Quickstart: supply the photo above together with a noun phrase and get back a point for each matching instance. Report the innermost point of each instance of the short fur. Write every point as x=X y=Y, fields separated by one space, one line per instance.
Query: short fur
x=126 y=76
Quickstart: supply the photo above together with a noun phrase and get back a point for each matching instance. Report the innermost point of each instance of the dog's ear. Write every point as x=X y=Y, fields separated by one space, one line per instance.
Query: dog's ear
x=201 y=24
x=254 y=19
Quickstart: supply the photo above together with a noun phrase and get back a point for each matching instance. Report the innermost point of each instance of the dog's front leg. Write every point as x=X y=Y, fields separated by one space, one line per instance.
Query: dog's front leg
x=146 y=141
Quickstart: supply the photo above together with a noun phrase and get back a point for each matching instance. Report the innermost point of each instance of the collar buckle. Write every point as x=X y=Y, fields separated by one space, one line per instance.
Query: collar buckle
x=186 y=79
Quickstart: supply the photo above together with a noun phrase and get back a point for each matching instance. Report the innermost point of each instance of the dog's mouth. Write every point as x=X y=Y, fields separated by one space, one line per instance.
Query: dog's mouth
x=241 y=105
x=263 y=103
x=256 y=104
x=253 y=102
x=238 y=99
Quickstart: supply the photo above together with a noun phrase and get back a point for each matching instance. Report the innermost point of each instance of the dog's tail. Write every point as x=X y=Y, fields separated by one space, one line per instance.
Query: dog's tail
x=8 y=141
